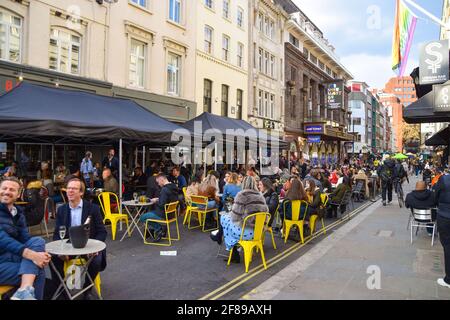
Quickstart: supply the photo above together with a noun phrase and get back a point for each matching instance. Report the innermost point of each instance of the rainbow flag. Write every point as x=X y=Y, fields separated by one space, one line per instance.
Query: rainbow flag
x=405 y=25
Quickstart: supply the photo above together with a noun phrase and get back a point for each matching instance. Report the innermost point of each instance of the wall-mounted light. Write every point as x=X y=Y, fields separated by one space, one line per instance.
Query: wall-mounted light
x=20 y=76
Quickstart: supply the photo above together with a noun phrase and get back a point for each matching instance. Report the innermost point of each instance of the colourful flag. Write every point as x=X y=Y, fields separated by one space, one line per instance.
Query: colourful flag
x=404 y=27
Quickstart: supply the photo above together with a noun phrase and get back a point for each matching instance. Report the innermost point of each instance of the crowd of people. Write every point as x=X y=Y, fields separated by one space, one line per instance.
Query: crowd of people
x=235 y=193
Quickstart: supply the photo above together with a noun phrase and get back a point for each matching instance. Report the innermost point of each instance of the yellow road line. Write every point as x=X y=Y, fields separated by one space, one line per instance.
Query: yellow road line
x=279 y=257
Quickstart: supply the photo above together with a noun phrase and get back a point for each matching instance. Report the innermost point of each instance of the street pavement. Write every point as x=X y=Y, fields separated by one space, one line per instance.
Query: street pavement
x=370 y=257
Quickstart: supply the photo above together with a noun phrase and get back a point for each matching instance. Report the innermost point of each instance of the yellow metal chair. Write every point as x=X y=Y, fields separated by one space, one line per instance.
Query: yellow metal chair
x=5 y=289
x=261 y=220
x=170 y=209
x=313 y=220
x=296 y=207
x=105 y=202
x=79 y=262
x=188 y=206
x=270 y=229
x=199 y=205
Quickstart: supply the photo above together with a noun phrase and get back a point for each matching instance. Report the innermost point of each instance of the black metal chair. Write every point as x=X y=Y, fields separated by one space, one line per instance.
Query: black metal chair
x=345 y=201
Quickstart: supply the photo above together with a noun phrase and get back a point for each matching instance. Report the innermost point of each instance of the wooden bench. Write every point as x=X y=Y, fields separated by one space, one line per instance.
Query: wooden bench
x=5 y=289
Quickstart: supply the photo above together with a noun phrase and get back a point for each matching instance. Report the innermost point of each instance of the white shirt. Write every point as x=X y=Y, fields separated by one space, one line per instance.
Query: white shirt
x=76 y=214
x=13 y=211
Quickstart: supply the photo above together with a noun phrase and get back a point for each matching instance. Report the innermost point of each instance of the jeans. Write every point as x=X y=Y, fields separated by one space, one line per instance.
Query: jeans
x=152 y=215
x=444 y=235
x=12 y=270
x=386 y=187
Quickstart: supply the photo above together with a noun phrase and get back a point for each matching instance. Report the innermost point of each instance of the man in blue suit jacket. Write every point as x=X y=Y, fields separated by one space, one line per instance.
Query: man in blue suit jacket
x=74 y=214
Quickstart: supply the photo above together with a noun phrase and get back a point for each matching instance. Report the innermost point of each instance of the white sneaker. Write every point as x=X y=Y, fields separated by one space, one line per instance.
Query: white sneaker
x=24 y=294
x=441 y=282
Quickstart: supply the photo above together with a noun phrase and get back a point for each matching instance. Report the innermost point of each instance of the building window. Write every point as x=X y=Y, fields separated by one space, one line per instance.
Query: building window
x=225 y=100
x=64 y=51
x=225 y=48
x=266 y=26
x=240 y=17
x=260 y=60
x=209 y=3
x=271 y=33
x=260 y=22
x=260 y=103
x=306 y=52
x=266 y=62
x=175 y=10
x=321 y=65
x=137 y=63
x=329 y=71
x=313 y=59
x=272 y=66
x=272 y=107
x=141 y=3
x=207 y=95
x=240 y=55
x=208 y=39
x=174 y=74
x=10 y=36
x=356 y=121
x=293 y=40
x=226 y=9
x=239 y=98
x=266 y=104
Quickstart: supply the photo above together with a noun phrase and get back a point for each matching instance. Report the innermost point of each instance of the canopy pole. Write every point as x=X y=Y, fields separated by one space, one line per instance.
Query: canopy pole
x=215 y=157
x=120 y=170
x=143 y=158
x=260 y=161
x=204 y=159
x=53 y=158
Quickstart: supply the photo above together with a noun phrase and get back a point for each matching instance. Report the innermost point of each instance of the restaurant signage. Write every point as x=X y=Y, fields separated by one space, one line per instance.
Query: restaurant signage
x=314 y=139
x=314 y=129
x=434 y=62
x=441 y=98
x=335 y=95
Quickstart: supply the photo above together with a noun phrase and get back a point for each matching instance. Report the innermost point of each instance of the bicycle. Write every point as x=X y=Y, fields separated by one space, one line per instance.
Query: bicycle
x=399 y=191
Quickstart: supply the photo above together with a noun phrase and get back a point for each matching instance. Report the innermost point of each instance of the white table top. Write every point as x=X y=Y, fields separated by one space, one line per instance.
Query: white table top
x=131 y=203
x=92 y=246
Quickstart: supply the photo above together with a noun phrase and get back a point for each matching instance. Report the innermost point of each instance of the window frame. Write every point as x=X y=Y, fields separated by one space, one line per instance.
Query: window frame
x=228 y=11
x=8 y=26
x=205 y=97
x=207 y=27
x=239 y=103
x=178 y=82
x=240 y=17
x=172 y=19
x=144 y=57
x=240 y=55
x=260 y=103
x=206 y=5
x=226 y=51
x=71 y=44
x=226 y=102
x=136 y=3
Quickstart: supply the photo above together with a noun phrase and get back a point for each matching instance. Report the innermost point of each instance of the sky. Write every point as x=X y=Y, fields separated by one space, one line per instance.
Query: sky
x=362 y=30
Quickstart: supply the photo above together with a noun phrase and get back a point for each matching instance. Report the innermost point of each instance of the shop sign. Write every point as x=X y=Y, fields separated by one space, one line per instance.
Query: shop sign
x=268 y=124
x=441 y=98
x=314 y=139
x=314 y=129
x=335 y=94
x=434 y=62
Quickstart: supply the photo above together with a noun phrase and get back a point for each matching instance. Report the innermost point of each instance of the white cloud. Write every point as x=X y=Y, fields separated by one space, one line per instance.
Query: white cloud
x=375 y=70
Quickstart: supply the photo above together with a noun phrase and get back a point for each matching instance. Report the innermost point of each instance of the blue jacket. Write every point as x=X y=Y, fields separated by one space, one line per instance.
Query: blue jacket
x=230 y=190
x=13 y=233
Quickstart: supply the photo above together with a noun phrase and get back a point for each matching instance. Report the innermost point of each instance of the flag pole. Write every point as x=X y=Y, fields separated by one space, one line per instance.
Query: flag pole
x=428 y=14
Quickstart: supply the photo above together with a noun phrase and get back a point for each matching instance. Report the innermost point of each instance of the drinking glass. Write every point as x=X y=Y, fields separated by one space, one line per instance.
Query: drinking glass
x=62 y=234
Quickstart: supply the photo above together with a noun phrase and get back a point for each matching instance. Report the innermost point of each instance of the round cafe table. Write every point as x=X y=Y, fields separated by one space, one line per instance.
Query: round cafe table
x=62 y=248
x=137 y=208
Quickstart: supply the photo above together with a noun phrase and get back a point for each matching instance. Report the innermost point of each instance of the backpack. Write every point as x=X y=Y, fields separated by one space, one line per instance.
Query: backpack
x=386 y=174
x=34 y=210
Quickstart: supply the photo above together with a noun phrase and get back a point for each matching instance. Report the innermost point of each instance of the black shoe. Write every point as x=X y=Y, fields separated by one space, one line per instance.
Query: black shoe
x=235 y=257
x=217 y=237
x=384 y=203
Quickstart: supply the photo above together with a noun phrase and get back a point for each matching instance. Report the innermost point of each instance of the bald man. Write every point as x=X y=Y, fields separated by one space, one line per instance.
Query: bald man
x=421 y=198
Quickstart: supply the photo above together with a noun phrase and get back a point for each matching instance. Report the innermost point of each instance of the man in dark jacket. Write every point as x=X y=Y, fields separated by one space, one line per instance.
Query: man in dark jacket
x=22 y=258
x=111 y=162
x=386 y=173
x=75 y=213
x=169 y=194
x=442 y=190
x=421 y=198
x=153 y=189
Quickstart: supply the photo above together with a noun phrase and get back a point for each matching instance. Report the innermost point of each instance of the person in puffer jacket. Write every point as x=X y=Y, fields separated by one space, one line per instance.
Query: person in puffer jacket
x=22 y=258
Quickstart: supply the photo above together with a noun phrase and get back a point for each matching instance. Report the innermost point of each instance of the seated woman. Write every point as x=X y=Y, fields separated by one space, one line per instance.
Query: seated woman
x=338 y=194
x=231 y=189
x=295 y=192
x=271 y=197
x=208 y=188
x=363 y=177
x=247 y=202
x=192 y=190
x=314 y=200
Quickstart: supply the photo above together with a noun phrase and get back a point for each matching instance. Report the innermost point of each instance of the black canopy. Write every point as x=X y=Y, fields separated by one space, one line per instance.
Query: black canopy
x=220 y=124
x=32 y=110
x=422 y=111
x=442 y=138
